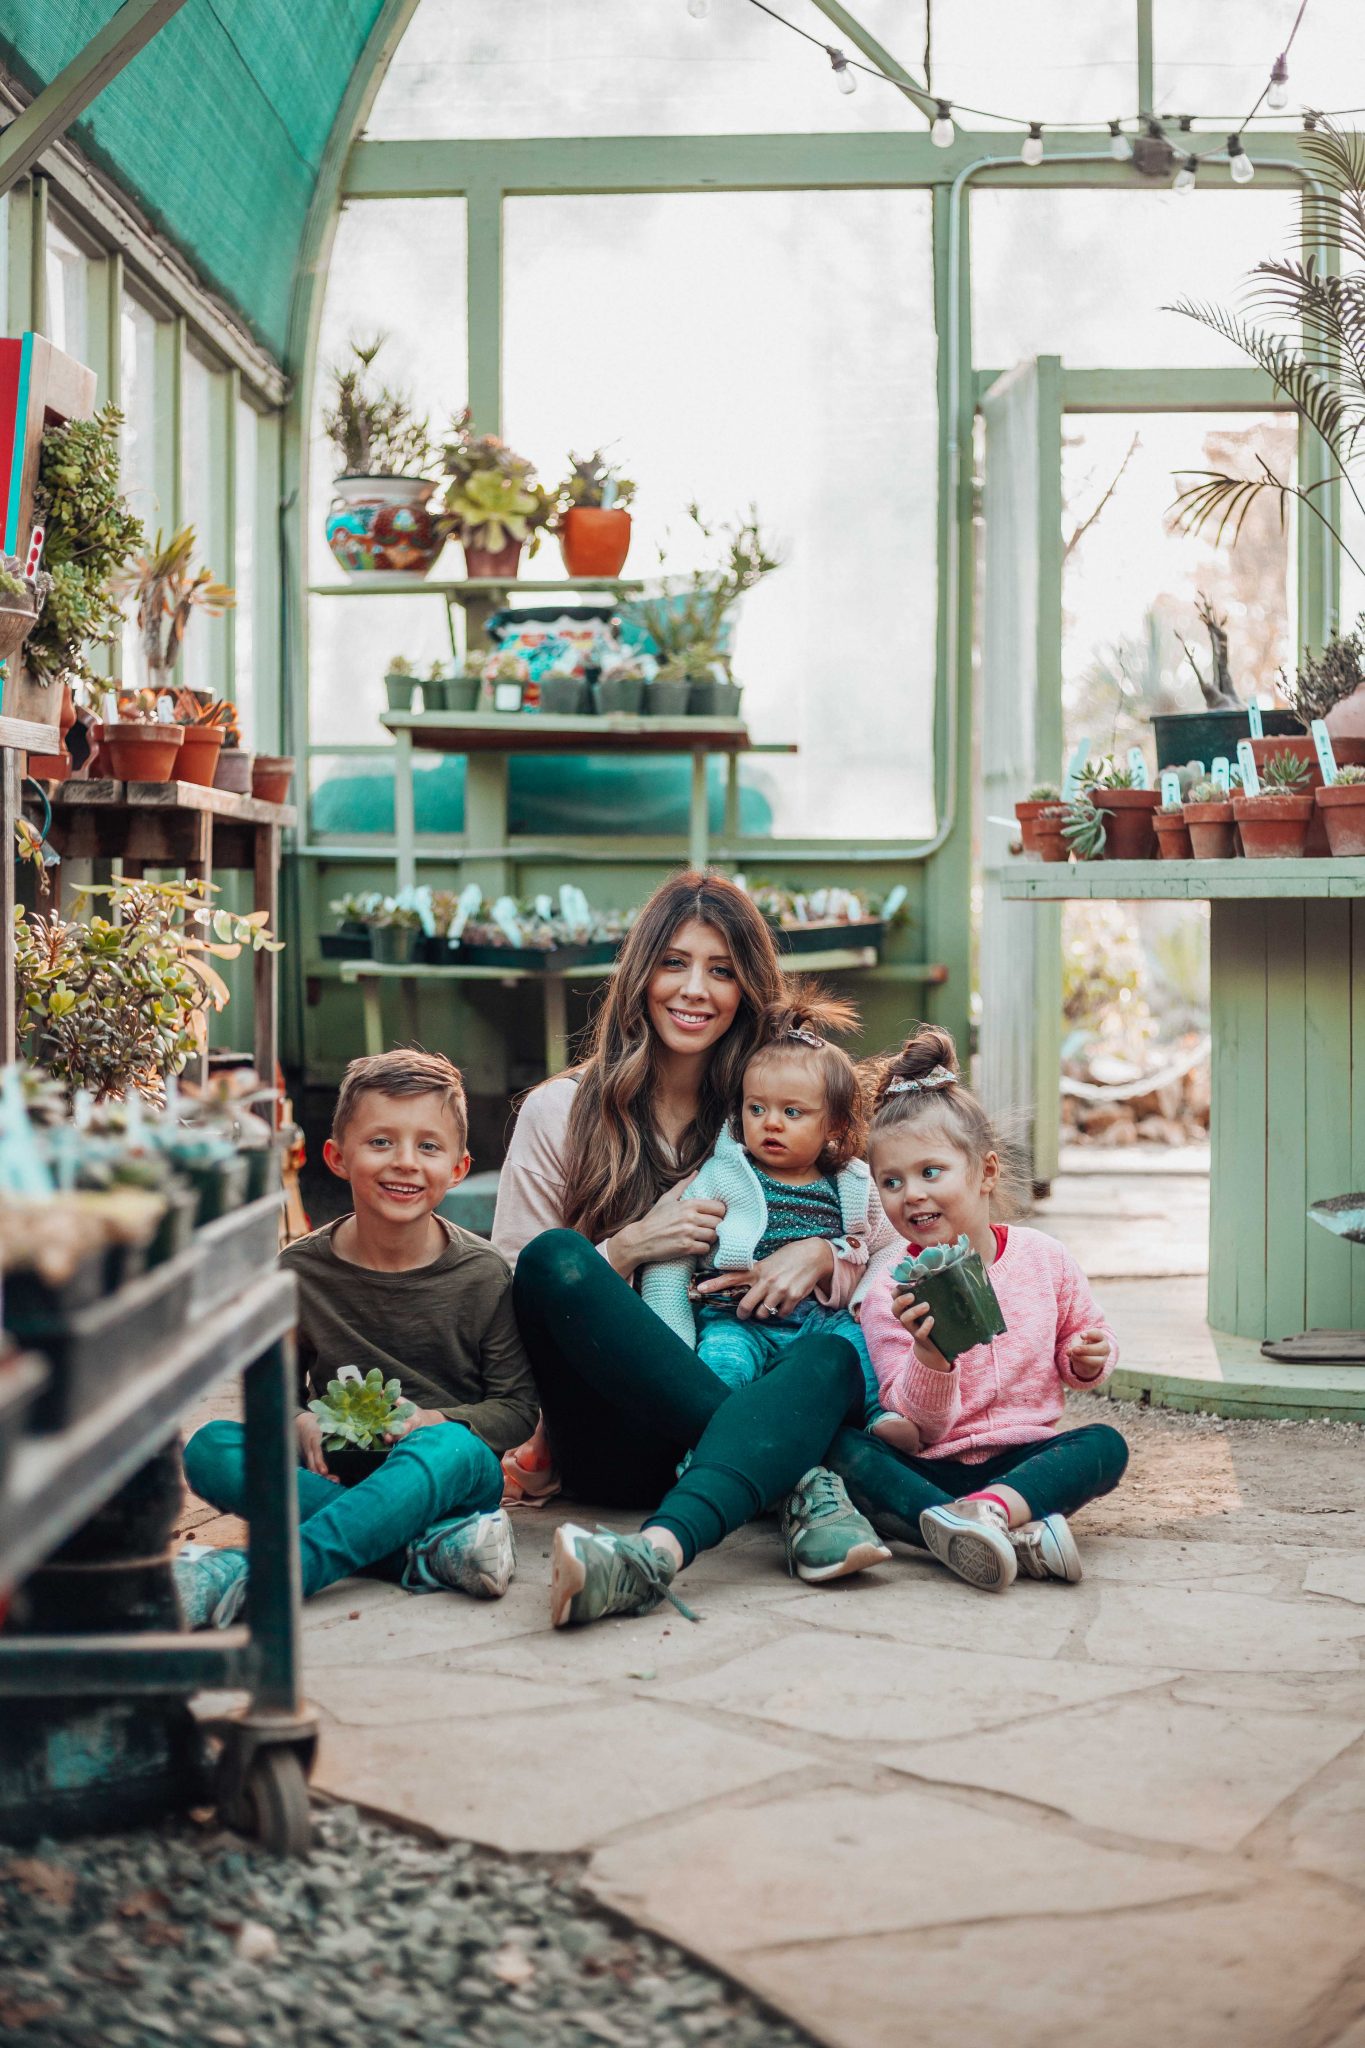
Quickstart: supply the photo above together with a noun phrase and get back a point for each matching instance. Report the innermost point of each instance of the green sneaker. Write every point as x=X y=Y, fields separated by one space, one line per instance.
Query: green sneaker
x=211 y=1585
x=826 y=1537
x=592 y=1575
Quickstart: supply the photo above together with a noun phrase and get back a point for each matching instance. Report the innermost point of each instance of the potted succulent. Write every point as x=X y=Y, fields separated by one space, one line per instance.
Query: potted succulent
x=1343 y=812
x=1084 y=827
x=355 y=1416
x=1212 y=828
x=205 y=727
x=379 y=519
x=1274 y=824
x=271 y=775
x=1214 y=731
x=687 y=621
x=620 y=684
x=90 y=535
x=492 y=500
x=235 y=762
x=953 y=1281
x=563 y=692
x=395 y=933
x=1172 y=833
x=591 y=518
x=1041 y=797
x=400 y=682
x=1128 y=810
x=506 y=678
x=1323 y=686
x=1049 y=833
x=140 y=745
x=461 y=692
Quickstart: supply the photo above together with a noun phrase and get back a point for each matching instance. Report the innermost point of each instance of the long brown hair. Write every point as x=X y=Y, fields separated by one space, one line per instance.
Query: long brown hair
x=799 y=1028
x=615 y=1165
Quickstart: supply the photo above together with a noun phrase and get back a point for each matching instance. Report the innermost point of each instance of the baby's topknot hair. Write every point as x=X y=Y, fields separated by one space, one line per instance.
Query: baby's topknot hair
x=801 y=1025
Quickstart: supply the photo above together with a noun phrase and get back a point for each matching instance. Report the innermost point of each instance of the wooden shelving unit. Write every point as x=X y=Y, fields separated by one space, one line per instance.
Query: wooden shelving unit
x=18 y=737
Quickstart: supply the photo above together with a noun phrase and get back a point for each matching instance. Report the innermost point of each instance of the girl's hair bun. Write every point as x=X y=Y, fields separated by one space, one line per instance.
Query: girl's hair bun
x=809 y=1011
x=927 y=1047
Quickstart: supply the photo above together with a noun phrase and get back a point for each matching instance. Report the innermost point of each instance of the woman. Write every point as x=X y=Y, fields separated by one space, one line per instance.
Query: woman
x=601 y=1158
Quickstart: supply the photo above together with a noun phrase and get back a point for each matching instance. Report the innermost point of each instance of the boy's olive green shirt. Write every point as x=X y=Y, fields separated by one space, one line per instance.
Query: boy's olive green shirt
x=446 y=1331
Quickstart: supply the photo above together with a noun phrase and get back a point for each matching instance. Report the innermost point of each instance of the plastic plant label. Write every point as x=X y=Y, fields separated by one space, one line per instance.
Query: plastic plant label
x=1170 y=789
x=1327 y=760
x=1220 y=773
x=1255 y=721
x=1137 y=768
x=1246 y=761
x=895 y=900
x=507 y=696
x=1071 y=781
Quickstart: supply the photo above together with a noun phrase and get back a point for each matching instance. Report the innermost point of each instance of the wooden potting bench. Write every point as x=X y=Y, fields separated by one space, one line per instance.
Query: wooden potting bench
x=1287 y=995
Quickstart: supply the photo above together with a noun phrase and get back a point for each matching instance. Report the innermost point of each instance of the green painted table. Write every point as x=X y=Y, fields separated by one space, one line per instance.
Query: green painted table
x=1287 y=983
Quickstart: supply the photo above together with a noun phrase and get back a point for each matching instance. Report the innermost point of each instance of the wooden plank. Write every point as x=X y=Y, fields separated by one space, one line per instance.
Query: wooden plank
x=28 y=736
x=1225 y=1052
x=838 y=960
x=1246 y=1183
x=492 y=732
x=1328 y=1094
x=1184 y=881
x=1286 y=1195
x=172 y=796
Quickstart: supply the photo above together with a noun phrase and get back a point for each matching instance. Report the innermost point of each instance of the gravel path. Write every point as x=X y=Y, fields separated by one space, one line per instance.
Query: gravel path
x=189 y=1934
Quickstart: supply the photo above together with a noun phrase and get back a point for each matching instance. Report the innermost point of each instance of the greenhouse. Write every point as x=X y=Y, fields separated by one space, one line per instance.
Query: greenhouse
x=683 y=749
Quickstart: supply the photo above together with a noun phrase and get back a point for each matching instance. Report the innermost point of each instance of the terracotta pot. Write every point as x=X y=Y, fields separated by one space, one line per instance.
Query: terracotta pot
x=198 y=761
x=1128 y=814
x=1047 y=832
x=497 y=562
x=595 y=540
x=1343 y=813
x=1350 y=753
x=48 y=767
x=233 y=771
x=1172 y=836
x=1273 y=827
x=142 y=753
x=1213 y=832
x=382 y=524
x=271 y=775
x=1028 y=811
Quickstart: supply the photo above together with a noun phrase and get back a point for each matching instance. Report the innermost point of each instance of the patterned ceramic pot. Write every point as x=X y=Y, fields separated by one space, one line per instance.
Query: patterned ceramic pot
x=382 y=523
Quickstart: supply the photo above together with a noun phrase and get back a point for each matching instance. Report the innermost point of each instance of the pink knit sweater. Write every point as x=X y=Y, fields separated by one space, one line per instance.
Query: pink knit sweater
x=1009 y=1391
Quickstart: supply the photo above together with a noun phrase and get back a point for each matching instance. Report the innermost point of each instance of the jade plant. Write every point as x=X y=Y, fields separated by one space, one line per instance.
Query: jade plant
x=359 y=1410
x=1084 y=829
x=91 y=535
x=1285 y=775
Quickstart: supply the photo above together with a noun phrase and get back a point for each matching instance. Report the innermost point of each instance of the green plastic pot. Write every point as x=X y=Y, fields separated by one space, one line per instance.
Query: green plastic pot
x=964 y=1306
x=399 y=691
x=394 y=945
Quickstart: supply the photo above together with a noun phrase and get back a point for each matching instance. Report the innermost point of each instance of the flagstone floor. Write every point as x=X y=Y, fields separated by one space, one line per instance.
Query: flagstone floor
x=904 y=1811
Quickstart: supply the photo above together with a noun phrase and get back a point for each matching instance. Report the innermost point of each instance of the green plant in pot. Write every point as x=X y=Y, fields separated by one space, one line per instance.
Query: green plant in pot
x=355 y=1416
x=395 y=933
x=1342 y=809
x=1084 y=828
x=1127 y=807
x=1207 y=811
x=1039 y=798
x=1325 y=685
x=1172 y=833
x=688 y=620
x=957 y=1287
x=1274 y=823
x=167 y=592
x=620 y=685
x=380 y=518
x=591 y=517
x=492 y=500
x=400 y=684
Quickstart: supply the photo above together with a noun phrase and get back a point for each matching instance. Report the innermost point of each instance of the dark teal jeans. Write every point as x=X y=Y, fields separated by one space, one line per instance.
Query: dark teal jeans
x=433 y=1475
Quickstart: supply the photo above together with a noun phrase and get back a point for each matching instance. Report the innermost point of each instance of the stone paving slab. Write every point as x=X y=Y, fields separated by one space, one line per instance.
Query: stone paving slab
x=1224 y=1631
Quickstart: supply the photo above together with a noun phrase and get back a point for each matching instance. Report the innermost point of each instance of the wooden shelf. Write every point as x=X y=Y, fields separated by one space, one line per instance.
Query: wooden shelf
x=350 y=971
x=1183 y=880
x=171 y=796
x=22 y=733
x=398 y=583
x=544 y=732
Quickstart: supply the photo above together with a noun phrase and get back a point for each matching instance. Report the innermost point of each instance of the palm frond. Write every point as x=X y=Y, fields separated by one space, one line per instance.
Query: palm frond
x=1329 y=310
x=1218 y=504
x=1336 y=217
x=1310 y=393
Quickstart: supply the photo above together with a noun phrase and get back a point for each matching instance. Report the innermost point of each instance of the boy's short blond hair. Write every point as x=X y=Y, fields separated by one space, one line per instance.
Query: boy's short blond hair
x=404 y=1072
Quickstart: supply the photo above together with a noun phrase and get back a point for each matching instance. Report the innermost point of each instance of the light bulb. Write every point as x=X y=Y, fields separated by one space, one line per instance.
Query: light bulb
x=699 y=9
x=844 y=78
x=943 y=134
x=1185 y=176
x=1277 y=93
x=1243 y=170
x=1032 y=151
x=1120 y=148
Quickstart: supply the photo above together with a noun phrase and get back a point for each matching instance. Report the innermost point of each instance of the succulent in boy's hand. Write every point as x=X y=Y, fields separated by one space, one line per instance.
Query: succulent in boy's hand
x=359 y=1411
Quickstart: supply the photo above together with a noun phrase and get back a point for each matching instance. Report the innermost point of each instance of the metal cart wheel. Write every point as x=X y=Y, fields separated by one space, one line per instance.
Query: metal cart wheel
x=275 y=1802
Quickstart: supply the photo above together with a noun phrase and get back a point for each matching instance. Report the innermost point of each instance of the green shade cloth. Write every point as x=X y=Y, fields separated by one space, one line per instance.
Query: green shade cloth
x=216 y=128
x=594 y=795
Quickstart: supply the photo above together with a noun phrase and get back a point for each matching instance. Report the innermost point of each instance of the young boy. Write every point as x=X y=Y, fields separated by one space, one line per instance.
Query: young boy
x=391 y=1284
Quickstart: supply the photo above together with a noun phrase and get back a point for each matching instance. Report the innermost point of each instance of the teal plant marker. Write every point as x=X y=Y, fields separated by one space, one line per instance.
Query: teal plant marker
x=1220 y=773
x=957 y=1287
x=1327 y=760
x=1071 y=782
x=1170 y=789
x=1246 y=762
x=1255 y=721
x=1137 y=765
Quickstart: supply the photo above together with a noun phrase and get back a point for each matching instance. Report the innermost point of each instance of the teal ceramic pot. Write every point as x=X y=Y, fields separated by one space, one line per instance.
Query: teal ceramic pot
x=381 y=525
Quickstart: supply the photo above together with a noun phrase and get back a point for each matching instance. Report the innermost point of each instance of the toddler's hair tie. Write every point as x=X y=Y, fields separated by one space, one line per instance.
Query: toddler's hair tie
x=810 y=1038
x=937 y=1077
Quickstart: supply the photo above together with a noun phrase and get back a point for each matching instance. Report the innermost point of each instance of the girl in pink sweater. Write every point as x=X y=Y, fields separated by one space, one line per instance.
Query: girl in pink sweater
x=998 y=1477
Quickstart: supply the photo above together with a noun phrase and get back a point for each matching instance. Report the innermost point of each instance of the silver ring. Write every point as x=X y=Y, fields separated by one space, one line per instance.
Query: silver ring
x=764 y=1309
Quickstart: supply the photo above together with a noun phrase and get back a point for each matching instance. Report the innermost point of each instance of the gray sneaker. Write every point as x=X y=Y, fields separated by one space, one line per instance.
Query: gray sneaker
x=972 y=1539
x=474 y=1554
x=1046 y=1549
x=826 y=1537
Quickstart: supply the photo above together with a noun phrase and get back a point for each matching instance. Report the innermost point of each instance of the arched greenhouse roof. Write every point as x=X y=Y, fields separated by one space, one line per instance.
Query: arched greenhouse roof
x=218 y=127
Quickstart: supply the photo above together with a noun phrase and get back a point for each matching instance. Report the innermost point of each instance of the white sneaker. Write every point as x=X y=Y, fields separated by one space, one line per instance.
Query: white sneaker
x=1046 y=1549
x=972 y=1539
x=474 y=1554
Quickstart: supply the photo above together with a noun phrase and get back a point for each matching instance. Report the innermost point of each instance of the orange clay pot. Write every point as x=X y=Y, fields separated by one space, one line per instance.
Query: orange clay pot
x=1273 y=827
x=1128 y=814
x=1343 y=813
x=199 y=755
x=271 y=775
x=1350 y=753
x=142 y=753
x=1047 y=830
x=594 y=540
x=1028 y=811
x=1172 y=836
x=1213 y=832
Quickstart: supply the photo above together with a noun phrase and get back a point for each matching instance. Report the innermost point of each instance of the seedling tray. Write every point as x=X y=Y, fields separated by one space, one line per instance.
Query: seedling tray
x=822 y=938
x=94 y=1350
x=532 y=960
x=234 y=1251
x=344 y=946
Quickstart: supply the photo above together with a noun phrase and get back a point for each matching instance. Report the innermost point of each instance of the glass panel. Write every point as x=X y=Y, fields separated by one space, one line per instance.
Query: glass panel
x=244 y=571
x=799 y=375
x=1214 y=59
x=398 y=267
x=1088 y=275
x=67 y=271
x=197 y=484
x=137 y=373
x=1050 y=61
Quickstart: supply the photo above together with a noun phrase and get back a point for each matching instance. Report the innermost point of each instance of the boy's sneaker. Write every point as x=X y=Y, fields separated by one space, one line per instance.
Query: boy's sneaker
x=826 y=1537
x=603 y=1573
x=211 y=1585
x=1046 y=1549
x=474 y=1554
x=972 y=1538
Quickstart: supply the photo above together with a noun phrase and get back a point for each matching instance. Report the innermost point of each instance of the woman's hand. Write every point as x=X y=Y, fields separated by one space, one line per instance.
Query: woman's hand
x=776 y=1284
x=677 y=1227
x=308 y=1430
x=915 y=1317
x=420 y=1418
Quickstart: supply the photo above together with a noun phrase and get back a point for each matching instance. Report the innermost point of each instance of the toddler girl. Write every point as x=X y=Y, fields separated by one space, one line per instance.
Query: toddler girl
x=787 y=1168
x=998 y=1477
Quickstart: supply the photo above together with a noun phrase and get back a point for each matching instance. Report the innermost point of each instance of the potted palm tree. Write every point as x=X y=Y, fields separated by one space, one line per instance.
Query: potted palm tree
x=493 y=500
x=591 y=518
x=380 y=518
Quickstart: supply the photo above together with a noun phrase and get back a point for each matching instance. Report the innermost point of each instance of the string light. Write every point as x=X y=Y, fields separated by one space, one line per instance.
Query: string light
x=1186 y=175
x=844 y=77
x=1277 y=93
x=943 y=134
x=1243 y=170
x=1155 y=131
x=1120 y=148
x=1032 y=151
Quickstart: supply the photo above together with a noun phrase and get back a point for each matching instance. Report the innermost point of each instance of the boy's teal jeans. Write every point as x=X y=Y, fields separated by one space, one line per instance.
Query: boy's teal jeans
x=432 y=1475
